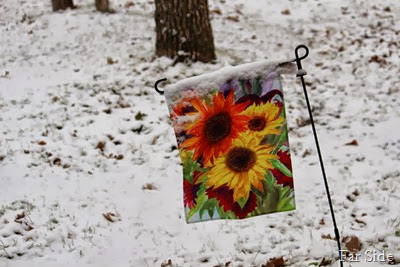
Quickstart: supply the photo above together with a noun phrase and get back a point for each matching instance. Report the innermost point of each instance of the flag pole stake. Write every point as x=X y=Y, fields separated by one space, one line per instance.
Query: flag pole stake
x=300 y=73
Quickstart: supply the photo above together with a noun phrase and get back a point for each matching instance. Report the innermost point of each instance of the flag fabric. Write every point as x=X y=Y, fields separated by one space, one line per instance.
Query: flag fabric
x=231 y=131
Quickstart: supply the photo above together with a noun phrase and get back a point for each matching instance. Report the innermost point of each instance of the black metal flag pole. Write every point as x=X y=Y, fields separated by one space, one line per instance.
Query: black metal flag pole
x=301 y=73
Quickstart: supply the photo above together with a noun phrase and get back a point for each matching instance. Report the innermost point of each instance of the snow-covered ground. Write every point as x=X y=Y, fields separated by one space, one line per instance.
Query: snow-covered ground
x=89 y=171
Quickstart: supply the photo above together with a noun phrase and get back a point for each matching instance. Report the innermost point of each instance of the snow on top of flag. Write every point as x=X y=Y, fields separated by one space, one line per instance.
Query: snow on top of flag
x=243 y=71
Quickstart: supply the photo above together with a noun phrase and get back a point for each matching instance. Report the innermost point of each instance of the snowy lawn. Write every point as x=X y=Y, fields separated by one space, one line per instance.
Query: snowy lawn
x=89 y=170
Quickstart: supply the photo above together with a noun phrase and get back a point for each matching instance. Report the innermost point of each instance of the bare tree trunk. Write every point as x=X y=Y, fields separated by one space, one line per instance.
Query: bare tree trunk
x=184 y=30
x=102 y=5
x=62 y=4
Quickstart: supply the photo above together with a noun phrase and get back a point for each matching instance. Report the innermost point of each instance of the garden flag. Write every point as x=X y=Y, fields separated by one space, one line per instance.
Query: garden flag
x=231 y=131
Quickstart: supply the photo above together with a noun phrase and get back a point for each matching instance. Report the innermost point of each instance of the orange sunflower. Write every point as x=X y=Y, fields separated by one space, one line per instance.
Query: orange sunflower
x=215 y=128
x=182 y=108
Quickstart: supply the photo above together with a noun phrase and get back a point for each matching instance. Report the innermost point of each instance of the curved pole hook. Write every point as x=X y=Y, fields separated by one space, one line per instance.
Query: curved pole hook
x=299 y=59
x=297 y=54
x=156 y=86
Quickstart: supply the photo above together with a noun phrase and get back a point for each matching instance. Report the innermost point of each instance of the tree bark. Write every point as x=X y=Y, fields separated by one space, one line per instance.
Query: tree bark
x=184 y=30
x=102 y=5
x=62 y=4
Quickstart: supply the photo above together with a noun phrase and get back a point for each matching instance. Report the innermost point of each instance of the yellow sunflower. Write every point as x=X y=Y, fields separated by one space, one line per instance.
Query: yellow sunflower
x=264 y=119
x=241 y=167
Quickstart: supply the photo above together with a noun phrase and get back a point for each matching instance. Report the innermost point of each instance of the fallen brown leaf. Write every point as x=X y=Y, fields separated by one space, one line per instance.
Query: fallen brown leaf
x=351 y=198
x=354 y=142
x=356 y=193
x=233 y=18
x=148 y=186
x=167 y=264
x=377 y=59
x=107 y=110
x=360 y=222
x=111 y=217
x=101 y=145
x=19 y=217
x=302 y=122
x=216 y=11
x=328 y=236
x=111 y=61
x=275 y=262
x=325 y=262
x=57 y=161
x=119 y=157
x=129 y=4
x=387 y=9
x=306 y=153
x=352 y=243
x=42 y=143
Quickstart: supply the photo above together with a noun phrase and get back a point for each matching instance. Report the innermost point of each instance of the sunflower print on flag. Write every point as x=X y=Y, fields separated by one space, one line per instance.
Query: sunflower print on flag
x=233 y=143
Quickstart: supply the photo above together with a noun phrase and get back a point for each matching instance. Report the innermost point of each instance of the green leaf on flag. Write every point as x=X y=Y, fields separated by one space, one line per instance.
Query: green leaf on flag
x=281 y=167
x=275 y=197
x=199 y=203
x=242 y=201
x=256 y=88
x=209 y=206
x=283 y=137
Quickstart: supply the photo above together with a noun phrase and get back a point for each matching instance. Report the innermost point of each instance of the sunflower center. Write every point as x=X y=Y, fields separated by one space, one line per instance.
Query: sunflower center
x=257 y=124
x=240 y=159
x=218 y=127
x=187 y=109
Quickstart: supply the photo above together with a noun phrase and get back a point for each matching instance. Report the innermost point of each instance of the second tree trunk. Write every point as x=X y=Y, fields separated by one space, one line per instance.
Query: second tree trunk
x=61 y=4
x=102 y=5
x=183 y=30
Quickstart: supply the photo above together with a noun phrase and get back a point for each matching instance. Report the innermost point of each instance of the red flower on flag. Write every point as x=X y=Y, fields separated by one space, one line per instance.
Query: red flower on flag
x=281 y=178
x=190 y=190
x=225 y=197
